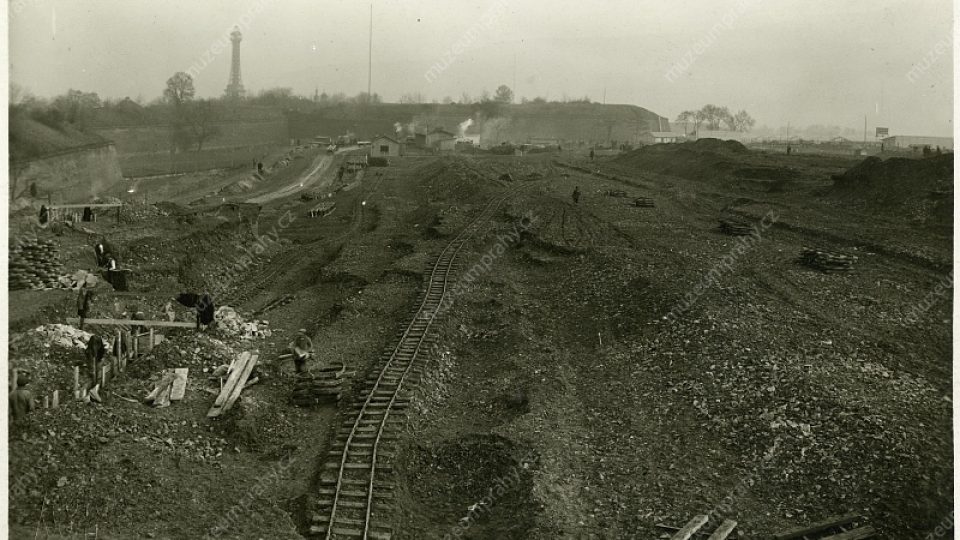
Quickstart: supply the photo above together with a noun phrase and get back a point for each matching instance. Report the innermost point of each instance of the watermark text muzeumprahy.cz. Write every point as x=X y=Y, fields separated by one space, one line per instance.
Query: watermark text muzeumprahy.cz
x=223 y=43
x=725 y=265
x=468 y=39
x=701 y=44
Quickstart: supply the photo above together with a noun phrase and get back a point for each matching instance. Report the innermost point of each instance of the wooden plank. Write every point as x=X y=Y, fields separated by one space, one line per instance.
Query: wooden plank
x=795 y=534
x=859 y=533
x=724 y=530
x=179 y=384
x=131 y=322
x=236 y=382
x=236 y=366
x=690 y=528
x=98 y=205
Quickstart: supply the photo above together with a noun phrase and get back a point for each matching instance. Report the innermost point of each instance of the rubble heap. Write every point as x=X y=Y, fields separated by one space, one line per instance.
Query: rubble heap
x=229 y=321
x=34 y=264
x=65 y=335
x=80 y=278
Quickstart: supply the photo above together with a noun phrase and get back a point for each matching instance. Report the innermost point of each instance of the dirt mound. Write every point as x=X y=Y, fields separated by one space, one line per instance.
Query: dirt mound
x=920 y=188
x=718 y=145
x=711 y=160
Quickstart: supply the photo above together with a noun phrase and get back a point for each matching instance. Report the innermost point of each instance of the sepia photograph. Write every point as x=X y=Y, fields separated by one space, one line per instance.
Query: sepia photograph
x=479 y=269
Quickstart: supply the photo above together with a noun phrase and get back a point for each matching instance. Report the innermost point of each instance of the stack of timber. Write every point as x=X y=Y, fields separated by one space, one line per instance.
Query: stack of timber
x=826 y=261
x=319 y=386
x=643 y=202
x=34 y=264
x=735 y=228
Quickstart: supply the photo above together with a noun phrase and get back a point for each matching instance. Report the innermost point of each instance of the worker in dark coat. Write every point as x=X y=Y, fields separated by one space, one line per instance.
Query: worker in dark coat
x=576 y=195
x=84 y=300
x=103 y=252
x=94 y=354
x=205 y=309
x=302 y=350
x=44 y=214
x=21 y=400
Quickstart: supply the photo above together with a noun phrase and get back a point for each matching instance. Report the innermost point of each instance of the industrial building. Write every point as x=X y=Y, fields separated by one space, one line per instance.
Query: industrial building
x=655 y=137
x=917 y=142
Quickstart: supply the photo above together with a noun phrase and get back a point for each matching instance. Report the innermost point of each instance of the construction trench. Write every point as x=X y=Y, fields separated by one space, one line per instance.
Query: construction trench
x=664 y=357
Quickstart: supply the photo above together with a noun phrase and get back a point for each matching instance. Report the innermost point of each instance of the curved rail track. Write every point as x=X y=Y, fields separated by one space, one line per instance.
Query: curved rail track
x=352 y=493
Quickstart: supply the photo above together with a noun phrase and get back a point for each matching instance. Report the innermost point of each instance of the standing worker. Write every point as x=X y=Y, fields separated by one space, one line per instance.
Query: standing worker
x=302 y=350
x=591 y=154
x=94 y=354
x=21 y=399
x=576 y=195
x=84 y=299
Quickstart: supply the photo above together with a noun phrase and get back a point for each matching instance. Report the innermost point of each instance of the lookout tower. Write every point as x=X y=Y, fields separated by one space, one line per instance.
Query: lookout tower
x=235 y=86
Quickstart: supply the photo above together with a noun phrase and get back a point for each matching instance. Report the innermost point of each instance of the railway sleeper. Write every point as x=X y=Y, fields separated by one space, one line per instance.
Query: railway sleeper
x=356 y=533
x=364 y=484
x=355 y=494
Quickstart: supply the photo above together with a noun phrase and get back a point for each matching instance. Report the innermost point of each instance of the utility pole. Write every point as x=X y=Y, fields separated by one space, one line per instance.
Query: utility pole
x=514 y=88
x=370 y=60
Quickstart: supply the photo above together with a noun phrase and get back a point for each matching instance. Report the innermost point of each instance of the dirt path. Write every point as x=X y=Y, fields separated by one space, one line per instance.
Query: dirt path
x=316 y=177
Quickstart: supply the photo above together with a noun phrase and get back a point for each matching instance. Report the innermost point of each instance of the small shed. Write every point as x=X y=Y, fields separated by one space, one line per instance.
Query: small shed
x=383 y=146
x=447 y=145
x=435 y=136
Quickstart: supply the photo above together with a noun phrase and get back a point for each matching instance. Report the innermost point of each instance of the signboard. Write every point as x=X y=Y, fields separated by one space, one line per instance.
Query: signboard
x=883 y=132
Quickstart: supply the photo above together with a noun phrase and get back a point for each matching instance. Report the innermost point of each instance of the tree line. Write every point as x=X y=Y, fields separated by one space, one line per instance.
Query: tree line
x=714 y=118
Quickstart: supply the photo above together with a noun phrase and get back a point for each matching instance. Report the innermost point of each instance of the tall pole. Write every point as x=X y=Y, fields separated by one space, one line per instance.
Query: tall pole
x=370 y=59
x=514 y=74
x=864 y=130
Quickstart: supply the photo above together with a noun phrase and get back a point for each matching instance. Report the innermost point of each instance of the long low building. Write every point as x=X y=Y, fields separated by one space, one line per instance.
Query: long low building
x=917 y=142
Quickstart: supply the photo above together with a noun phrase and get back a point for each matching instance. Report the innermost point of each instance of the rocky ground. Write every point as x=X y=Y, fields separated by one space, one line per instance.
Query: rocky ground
x=614 y=368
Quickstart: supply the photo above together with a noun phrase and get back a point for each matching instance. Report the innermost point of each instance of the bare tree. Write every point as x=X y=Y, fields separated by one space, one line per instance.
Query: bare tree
x=742 y=121
x=205 y=114
x=504 y=94
x=179 y=89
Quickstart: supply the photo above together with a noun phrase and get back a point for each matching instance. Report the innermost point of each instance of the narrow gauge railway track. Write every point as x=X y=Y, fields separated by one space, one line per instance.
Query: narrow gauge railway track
x=353 y=493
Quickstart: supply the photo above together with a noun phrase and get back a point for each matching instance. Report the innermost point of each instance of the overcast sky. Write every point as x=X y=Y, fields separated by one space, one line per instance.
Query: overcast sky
x=799 y=61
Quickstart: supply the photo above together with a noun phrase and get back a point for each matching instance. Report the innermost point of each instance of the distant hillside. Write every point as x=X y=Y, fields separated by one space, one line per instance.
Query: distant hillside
x=29 y=139
x=568 y=122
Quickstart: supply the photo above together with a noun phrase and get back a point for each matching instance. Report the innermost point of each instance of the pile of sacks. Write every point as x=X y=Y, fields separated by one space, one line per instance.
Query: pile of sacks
x=229 y=321
x=34 y=264
x=65 y=335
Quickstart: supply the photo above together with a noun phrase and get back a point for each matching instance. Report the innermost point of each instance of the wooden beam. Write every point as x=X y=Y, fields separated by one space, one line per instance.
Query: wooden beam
x=179 y=384
x=690 y=528
x=236 y=382
x=724 y=530
x=131 y=322
x=860 y=533
x=831 y=523
x=98 y=205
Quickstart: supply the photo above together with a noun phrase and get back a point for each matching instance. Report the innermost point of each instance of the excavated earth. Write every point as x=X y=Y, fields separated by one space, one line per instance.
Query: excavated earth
x=603 y=367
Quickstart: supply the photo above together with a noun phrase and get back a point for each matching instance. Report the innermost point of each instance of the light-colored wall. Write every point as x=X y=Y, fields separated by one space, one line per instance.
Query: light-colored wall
x=71 y=177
